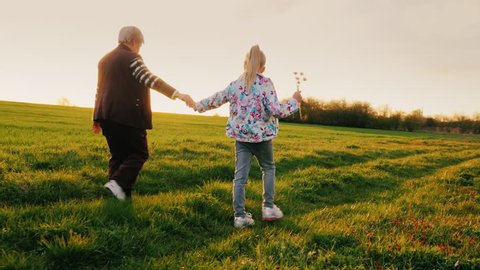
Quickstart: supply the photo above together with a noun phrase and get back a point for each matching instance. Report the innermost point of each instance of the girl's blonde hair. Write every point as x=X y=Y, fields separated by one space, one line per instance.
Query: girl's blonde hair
x=254 y=60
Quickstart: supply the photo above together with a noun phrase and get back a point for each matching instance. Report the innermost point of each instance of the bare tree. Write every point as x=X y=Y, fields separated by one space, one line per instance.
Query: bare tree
x=65 y=102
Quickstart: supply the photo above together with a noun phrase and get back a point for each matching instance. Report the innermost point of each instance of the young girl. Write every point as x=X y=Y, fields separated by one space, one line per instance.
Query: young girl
x=254 y=107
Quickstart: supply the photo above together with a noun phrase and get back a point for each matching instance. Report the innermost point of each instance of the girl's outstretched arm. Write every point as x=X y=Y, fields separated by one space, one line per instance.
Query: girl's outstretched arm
x=276 y=108
x=214 y=101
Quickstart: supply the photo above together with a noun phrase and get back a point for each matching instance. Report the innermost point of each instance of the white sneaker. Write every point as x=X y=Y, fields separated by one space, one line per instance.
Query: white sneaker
x=116 y=190
x=271 y=213
x=242 y=222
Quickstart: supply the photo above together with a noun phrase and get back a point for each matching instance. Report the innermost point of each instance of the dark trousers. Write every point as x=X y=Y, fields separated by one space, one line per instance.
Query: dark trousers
x=129 y=151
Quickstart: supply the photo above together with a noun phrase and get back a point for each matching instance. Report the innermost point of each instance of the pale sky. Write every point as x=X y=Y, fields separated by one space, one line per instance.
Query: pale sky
x=407 y=54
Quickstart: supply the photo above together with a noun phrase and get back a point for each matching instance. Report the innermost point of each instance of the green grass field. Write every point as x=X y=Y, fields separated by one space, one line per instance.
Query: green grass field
x=353 y=198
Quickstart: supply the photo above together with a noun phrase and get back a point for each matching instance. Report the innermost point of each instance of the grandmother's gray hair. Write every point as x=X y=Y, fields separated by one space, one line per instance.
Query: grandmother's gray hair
x=130 y=33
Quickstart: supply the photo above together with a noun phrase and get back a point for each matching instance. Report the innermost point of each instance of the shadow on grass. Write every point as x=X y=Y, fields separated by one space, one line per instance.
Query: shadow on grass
x=334 y=159
x=154 y=180
x=428 y=164
x=168 y=179
x=50 y=161
x=336 y=188
x=46 y=191
x=198 y=221
x=120 y=231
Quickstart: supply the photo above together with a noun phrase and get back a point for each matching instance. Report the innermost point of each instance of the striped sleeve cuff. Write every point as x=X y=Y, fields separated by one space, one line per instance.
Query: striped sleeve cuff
x=174 y=95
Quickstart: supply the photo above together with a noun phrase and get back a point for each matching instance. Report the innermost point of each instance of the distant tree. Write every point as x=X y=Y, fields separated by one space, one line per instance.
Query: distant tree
x=476 y=117
x=336 y=113
x=430 y=123
x=380 y=121
x=384 y=111
x=476 y=126
x=361 y=114
x=458 y=117
x=312 y=111
x=463 y=123
x=64 y=102
x=442 y=118
x=414 y=120
x=395 y=120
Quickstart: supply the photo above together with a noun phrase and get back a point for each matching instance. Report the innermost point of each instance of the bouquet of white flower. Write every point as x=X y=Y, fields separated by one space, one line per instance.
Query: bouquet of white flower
x=299 y=77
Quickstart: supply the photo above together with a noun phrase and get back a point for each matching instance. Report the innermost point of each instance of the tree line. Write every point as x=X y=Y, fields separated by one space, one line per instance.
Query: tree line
x=362 y=115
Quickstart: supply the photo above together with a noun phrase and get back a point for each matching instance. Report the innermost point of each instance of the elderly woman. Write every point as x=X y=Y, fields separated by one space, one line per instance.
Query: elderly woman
x=122 y=109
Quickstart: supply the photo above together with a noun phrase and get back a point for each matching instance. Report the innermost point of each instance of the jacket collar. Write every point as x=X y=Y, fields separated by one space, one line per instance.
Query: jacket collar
x=124 y=47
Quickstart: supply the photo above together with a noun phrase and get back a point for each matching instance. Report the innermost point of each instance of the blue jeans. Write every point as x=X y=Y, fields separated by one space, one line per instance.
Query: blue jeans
x=244 y=151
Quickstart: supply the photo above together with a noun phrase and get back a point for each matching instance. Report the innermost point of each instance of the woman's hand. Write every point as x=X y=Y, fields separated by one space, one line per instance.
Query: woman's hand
x=187 y=99
x=96 y=127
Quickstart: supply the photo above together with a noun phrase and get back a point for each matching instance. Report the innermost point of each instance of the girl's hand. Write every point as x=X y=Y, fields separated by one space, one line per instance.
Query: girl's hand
x=298 y=96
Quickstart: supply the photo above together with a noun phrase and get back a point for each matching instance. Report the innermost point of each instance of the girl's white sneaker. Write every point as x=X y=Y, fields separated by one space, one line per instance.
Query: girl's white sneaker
x=242 y=222
x=271 y=213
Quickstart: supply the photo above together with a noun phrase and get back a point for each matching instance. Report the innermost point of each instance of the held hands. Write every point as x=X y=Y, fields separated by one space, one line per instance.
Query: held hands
x=298 y=96
x=187 y=99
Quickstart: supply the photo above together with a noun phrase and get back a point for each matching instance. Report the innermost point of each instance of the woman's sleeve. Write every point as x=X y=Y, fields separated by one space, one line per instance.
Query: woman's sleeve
x=276 y=108
x=214 y=101
x=143 y=76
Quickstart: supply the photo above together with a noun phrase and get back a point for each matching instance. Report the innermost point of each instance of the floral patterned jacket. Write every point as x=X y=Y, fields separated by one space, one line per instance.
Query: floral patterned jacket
x=253 y=115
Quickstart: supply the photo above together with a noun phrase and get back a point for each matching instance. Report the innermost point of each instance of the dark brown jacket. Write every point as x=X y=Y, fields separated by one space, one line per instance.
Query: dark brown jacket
x=120 y=98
